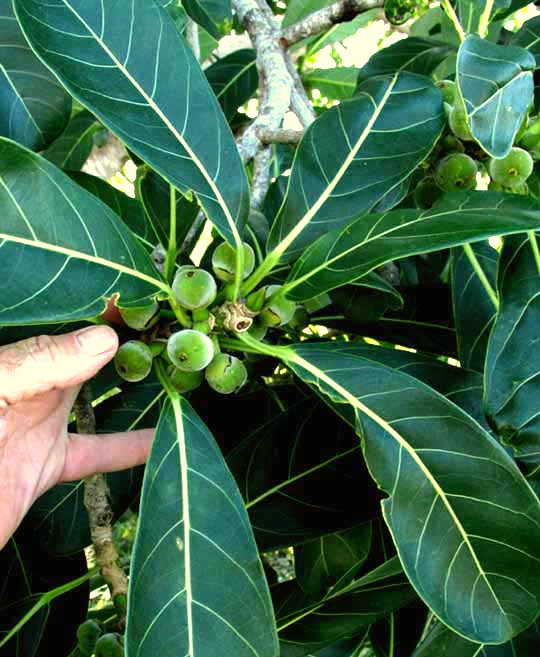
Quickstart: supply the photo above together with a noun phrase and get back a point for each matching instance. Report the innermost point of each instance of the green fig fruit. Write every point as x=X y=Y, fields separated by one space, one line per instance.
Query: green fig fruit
x=512 y=170
x=139 y=317
x=226 y=374
x=184 y=381
x=190 y=350
x=457 y=121
x=109 y=645
x=133 y=360
x=426 y=193
x=456 y=171
x=194 y=288
x=451 y=144
x=87 y=635
x=224 y=261
x=279 y=310
x=447 y=89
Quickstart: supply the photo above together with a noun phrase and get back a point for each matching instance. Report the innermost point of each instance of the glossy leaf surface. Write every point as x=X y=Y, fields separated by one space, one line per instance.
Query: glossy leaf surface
x=355 y=155
x=465 y=522
x=442 y=642
x=61 y=263
x=309 y=623
x=513 y=364
x=289 y=488
x=234 y=80
x=349 y=253
x=496 y=84
x=34 y=107
x=332 y=560
x=415 y=54
x=474 y=311
x=71 y=150
x=197 y=585
x=101 y=53
x=212 y=15
x=337 y=83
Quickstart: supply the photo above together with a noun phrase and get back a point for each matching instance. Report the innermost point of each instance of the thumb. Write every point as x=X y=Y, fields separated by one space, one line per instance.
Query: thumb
x=39 y=364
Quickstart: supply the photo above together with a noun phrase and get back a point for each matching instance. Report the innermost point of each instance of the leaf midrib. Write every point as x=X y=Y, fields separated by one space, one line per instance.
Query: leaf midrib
x=292 y=356
x=77 y=255
x=165 y=120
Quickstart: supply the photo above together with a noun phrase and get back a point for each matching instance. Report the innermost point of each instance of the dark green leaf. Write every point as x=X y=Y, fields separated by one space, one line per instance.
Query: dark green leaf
x=71 y=150
x=197 y=585
x=465 y=522
x=414 y=54
x=442 y=642
x=297 y=9
x=234 y=80
x=215 y=16
x=338 y=32
x=398 y=633
x=470 y=12
x=155 y=195
x=332 y=561
x=131 y=68
x=308 y=624
x=128 y=209
x=527 y=37
x=474 y=311
x=512 y=363
x=62 y=251
x=34 y=108
x=346 y=254
x=28 y=572
x=336 y=83
x=496 y=84
x=289 y=488
x=355 y=155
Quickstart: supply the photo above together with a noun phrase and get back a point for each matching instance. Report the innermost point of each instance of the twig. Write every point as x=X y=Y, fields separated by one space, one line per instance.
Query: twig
x=323 y=19
x=265 y=36
x=100 y=515
x=279 y=136
x=261 y=176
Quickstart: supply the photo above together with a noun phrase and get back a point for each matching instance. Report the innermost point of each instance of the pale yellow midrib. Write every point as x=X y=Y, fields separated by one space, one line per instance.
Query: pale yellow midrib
x=77 y=255
x=353 y=401
x=168 y=123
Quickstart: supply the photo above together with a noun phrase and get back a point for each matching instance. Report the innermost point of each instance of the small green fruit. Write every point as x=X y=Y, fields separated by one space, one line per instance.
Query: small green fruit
x=226 y=374
x=457 y=121
x=190 y=350
x=451 y=144
x=426 y=193
x=185 y=381
x=193 y=287
x=139 y=317
x=456 y=171
x=512 y=170
x=87 y=635
x=448 y=90
x=133 y=360
x=224 y=261
x=109 y=645
x=279 y=311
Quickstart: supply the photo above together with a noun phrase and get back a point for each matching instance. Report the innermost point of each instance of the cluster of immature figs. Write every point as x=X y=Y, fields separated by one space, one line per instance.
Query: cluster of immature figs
x=193 y=354
x=457 y=170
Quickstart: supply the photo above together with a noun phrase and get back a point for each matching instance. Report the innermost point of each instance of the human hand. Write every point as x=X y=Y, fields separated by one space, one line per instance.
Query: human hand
x=39 y=381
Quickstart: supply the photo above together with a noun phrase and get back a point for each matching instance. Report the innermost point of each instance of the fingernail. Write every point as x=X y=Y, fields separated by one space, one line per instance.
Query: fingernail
x=95 y=340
